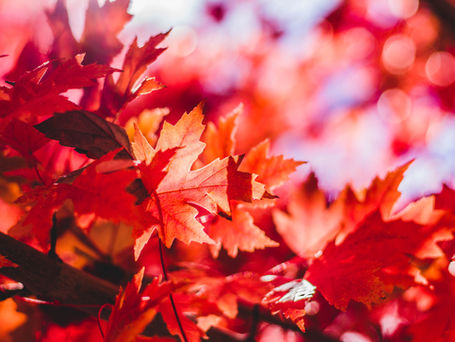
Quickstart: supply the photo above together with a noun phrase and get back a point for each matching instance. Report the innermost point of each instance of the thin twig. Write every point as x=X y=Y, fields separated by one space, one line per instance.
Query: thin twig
x=38 y=174
x=163 y=265
x=98 y=318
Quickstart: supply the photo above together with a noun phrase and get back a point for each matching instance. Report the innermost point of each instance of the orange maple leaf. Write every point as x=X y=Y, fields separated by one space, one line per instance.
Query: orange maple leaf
x=240 y=233
x=310 y=221
x=24 y=138
x=220 y=139
x=272 y=171
x=219 y=293
x=174 y=199
x=381 y=194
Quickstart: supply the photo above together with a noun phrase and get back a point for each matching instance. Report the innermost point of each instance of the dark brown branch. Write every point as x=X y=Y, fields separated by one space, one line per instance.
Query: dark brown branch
x=51 y=280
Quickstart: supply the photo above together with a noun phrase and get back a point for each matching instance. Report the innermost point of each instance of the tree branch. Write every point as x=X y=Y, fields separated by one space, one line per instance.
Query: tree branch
x=52 y=280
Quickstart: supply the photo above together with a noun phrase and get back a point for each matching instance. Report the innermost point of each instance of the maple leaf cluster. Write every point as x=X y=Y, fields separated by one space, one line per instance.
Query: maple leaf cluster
x=177 y=218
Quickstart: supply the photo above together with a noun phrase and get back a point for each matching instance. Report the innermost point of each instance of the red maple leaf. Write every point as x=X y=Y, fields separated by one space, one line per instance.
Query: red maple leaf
x=133 y=310
x=38 y=92
x=64 y=44
x=436 y=322
x=311 y=221
x=116 y=95
x=102 y=24
x=104 y=194
x=45 y=200
x=24 y=138
x=99 y=39
x=367 y=265
x=96 y=191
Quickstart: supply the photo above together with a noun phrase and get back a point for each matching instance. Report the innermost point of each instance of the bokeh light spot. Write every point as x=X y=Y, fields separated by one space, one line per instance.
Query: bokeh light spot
x=353 y=336
x=358 y=42
x=394 y=105
x=403 y=9
x=182 y=41
x=312 y=308
x=423 y=28
x=440 y=68
x=451 y=268
x=398 y=53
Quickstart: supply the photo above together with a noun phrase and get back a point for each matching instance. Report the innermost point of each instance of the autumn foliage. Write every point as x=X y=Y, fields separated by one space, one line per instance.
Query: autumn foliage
x=175 y=201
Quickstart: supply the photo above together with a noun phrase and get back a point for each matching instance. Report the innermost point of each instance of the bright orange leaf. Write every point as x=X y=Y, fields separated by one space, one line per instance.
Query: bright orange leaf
x=310 y=221
x=239 y=233
x=181 y=189
x=272 y=171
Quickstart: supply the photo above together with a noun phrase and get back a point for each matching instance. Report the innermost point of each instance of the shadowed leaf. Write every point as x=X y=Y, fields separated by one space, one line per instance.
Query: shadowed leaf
x=87 y=133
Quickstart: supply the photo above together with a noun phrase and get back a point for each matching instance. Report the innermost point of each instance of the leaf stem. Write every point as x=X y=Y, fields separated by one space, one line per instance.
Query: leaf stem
x=98 y=319
x=163 y=265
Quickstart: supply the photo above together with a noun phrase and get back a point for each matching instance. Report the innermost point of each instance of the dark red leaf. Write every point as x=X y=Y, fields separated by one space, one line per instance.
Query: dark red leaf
x=64 y=45
x=23 y=137
x=87 y=133
x=102 y=25
x=116 y=95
